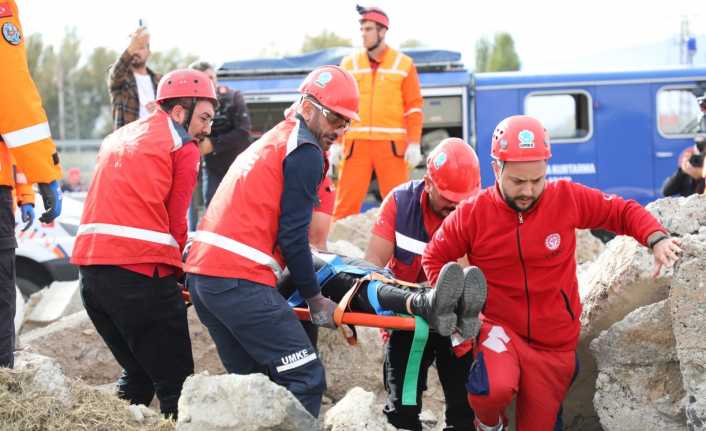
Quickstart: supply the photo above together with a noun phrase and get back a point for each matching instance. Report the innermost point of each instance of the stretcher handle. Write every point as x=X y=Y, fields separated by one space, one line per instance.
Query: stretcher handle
x=367 y=319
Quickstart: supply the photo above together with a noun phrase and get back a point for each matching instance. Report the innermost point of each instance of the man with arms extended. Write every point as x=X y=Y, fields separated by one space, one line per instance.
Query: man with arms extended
x=521 y=234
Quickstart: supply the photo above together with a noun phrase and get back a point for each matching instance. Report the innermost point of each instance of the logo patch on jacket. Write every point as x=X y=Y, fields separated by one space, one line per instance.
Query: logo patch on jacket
x=11 y=33
x=552 y=241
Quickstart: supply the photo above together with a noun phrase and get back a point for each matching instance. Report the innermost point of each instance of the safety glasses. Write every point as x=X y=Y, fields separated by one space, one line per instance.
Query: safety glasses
x=335 y=120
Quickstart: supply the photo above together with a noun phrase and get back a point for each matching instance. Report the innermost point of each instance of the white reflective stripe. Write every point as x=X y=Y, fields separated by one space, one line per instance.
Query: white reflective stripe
x=292 y=139
x=377 y=129
x=393 y=72
x=298 y=363
x=410 y=244
x=238 y=248
x=361 y=71
x=355 y=63
x=412 y=111
x=176 y=139
x=21 y=178
x=27 y=135
x=128 y=232
x=396 y=64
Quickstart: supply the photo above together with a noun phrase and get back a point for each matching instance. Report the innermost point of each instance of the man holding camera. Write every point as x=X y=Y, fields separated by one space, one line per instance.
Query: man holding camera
x=230 y=133
x=689 y=177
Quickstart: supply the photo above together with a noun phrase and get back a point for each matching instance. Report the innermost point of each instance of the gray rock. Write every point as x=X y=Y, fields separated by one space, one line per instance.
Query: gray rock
x=47 y=376
x=356 y=412
x=688 y=313
x=639 y=383
x=618 y=282
x=588 y=247
x=243 y=403
x=356 y=228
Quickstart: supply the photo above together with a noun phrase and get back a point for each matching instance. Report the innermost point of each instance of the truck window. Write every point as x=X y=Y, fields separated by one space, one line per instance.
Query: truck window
x=265 y=116
x=677 y=112
x=566 y=115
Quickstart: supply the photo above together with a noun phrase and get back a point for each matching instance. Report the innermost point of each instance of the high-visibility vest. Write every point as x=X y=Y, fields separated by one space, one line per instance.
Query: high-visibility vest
x=381 y=108
x=125 y=218
x=23 y=122
x=237 y=237
x=411 y=236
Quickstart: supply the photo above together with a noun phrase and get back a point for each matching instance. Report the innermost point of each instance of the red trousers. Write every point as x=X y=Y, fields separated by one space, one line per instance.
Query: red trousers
x=506 y=367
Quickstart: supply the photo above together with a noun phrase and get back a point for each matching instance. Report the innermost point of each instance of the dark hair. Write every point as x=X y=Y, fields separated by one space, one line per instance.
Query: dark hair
x=201 y=65
x=185 y=102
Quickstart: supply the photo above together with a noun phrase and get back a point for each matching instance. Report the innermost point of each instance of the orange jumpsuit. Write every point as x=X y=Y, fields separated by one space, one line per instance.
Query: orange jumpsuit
x=390 y=118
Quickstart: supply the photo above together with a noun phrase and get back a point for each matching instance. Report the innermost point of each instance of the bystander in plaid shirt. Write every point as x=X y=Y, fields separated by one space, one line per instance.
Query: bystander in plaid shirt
x=123 y=91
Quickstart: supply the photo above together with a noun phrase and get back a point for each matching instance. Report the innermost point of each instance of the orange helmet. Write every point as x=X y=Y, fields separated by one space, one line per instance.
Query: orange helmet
x=185 y=83
x=520 y=138
x=334 y=88
x=374 y=14
x=454 y=169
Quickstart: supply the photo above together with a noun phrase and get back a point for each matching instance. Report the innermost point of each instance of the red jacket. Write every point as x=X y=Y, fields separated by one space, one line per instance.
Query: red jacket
x=528 y=258
x=125 y=218
x=237 y=237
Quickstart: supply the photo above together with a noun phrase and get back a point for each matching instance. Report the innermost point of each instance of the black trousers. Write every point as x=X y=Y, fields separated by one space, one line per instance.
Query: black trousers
x=143 y=321
x=7 y=278
x=453 y=375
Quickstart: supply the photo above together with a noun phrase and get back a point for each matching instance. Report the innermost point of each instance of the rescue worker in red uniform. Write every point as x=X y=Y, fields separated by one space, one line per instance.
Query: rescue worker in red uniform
x=521 y=234
x=24 y=133
x=255 y=226
x=409 y=216
x=132 y=232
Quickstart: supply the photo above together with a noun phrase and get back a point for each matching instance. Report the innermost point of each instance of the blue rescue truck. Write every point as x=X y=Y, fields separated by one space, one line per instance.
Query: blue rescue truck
x=621 y=132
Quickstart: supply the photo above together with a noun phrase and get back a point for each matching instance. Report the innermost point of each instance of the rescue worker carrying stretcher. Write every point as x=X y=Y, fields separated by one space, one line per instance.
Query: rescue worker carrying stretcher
x=132 y=232
x=522 y=234
x=256 y=224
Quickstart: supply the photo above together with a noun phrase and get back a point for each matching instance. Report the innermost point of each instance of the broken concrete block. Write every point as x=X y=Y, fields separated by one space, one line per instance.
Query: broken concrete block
x=356 y=411
x=639 y=384
x=244 y=403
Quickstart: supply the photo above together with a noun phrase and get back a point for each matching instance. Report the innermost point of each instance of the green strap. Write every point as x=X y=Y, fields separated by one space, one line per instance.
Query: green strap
x=411 y=374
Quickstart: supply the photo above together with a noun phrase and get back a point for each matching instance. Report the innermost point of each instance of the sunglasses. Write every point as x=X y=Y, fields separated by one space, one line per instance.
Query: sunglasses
x=334 y=119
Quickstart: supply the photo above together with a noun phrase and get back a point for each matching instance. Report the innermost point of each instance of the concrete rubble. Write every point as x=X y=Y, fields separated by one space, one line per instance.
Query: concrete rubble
x=642 y=349
x=244 y=403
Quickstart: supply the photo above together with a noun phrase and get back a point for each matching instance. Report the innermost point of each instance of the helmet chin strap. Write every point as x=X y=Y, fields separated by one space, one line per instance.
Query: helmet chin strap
x=189 y=114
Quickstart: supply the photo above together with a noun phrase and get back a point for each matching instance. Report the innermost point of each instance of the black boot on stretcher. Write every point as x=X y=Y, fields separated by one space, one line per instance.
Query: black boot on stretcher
x=475 y=291
x=437 y=306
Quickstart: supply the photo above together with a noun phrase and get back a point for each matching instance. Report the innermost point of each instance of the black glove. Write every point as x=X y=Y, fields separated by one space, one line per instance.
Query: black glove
x=321 y=310
x=51 y=195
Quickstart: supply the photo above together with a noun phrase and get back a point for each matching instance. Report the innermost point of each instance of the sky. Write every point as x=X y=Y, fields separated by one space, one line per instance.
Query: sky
x=550 y=36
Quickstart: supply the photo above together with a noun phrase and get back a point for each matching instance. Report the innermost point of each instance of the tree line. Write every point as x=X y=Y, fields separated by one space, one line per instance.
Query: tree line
x=75 y=93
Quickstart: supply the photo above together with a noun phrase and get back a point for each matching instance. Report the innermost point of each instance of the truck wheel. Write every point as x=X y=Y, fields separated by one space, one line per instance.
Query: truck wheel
x=27 y=287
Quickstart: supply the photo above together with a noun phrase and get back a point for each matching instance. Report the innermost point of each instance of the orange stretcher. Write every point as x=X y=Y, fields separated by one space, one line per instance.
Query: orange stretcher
x=345 y=318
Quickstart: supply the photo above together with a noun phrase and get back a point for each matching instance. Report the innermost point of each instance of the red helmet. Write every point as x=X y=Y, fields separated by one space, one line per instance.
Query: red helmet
x=454 y=169
x=185 y=83
x=520 y=138
x=334 y=88
x=374 y=14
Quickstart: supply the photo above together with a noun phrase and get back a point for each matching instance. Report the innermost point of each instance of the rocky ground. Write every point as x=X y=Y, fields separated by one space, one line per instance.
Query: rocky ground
x=642 y=353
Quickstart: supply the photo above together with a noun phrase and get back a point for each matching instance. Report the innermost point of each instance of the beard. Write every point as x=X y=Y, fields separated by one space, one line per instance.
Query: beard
x=137 y=61
x=511 y=202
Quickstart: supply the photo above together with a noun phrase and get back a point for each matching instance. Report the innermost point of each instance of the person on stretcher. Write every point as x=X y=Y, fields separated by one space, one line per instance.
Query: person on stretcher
x=378 y=293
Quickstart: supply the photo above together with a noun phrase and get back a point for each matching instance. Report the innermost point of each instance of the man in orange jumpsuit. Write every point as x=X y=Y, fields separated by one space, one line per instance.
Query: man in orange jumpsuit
x=24 y=131
x=386 y=139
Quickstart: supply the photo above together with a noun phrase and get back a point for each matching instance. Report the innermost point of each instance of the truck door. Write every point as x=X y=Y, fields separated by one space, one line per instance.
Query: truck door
x=673 y=129
x=568 y=116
